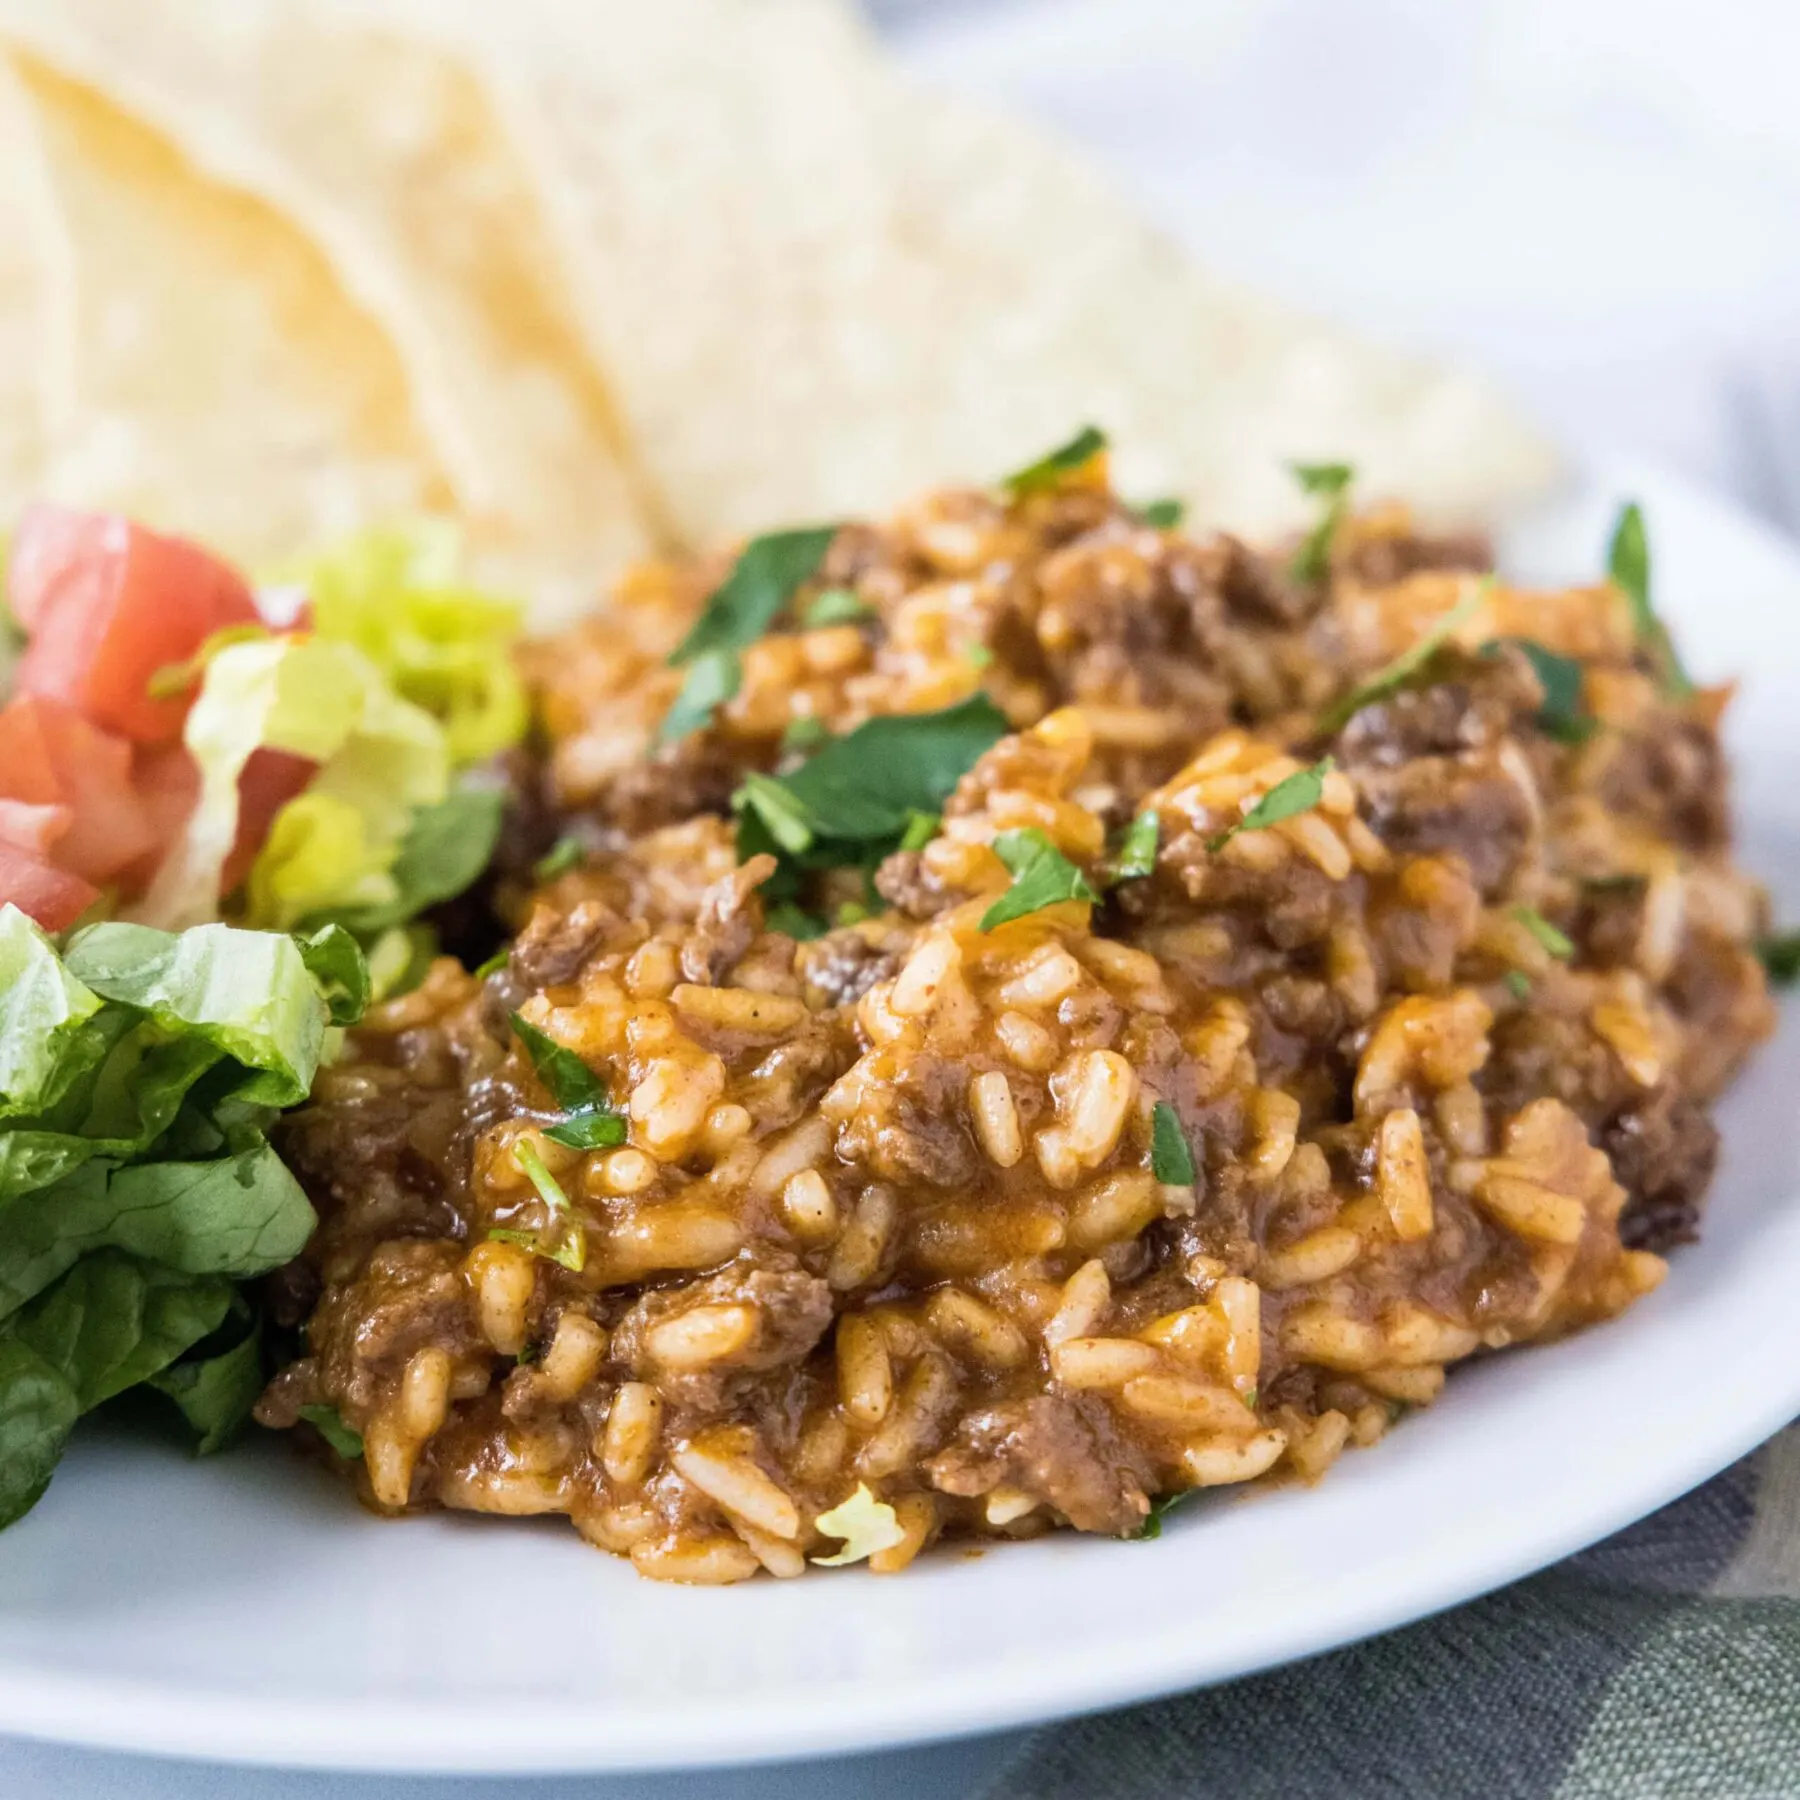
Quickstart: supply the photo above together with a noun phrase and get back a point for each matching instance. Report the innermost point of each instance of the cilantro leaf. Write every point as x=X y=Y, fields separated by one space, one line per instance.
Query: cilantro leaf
x=921 y=828
x=711 y=680
x=1171 y=1158
x=806 y=732
x=562 y=856
x=571 y=1249
x=1395 y=674
x=1628 y=564
x=329 y=1424
x=1562 y=715
x=589 y=1128
x=1042 y=876
x=1517 y=983
x=836 y=606
x=794 y=921
x=1160 y=1510
x=494 y=963
x=783 y=816
x=1163 y=515
x=1048 y=471
x=1297 y=793
x=569 y=1081
x=1329 y=482
x=866 y=786
x=1546 y=934
x=768 y=573
x=1781 y=957
x=1136 y=856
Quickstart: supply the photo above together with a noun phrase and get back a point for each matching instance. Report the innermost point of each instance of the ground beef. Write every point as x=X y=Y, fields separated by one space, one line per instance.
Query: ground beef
x=1663 y=1151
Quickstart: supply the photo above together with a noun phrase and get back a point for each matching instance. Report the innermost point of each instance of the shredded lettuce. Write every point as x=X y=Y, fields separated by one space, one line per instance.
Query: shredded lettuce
x=381 y=758
x=445 y=646
x=139 y=1070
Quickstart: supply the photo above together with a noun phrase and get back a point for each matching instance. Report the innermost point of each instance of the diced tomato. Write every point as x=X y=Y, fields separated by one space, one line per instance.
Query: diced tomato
x=108 y=605
x=51 y=756
x=51 y=896
x=271 y=778
x=33 y=828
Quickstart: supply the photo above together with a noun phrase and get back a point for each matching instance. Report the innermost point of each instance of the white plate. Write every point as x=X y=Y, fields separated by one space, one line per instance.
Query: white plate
x=247 y=1609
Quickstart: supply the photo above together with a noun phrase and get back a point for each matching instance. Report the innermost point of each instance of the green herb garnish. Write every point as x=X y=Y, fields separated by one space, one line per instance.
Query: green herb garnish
x=1546 y=934
x=712 y=679
x=494 y=963
x=565 y=854
x=1171 y=1158
x=1136 y=856
x=803 y=733
x=1562 y=715
x=335 y=960
x=1628 y=563
x=836 y=606
x=783 y=816
x=571 y=1250
x=1329 y=482
x=767 y=574
x=978 y=656
x=1164 y=515
x=1404 y=666
x=328 y=1422
x=1042 y=876
x=590 y=1123
x=1517 y=983
x=1781 y=957
x=1048 y=471
x=921 y=828
x=1160 y=1510
x=1297 y=793
x=794 y=921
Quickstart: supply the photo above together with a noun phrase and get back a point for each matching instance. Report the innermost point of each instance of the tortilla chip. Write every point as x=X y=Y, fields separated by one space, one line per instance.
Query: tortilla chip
x=815 y=290
x=37 y=347
x=382 y=149
x=226 y=387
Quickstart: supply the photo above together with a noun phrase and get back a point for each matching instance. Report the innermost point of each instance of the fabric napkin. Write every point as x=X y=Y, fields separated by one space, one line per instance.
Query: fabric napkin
x=1664 y=1662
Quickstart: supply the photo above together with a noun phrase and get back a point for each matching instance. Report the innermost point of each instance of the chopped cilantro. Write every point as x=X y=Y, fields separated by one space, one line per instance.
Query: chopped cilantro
x=852 y=912
x=804 y=733
x=1562 y=716
x=1546 y=934
x=1628 y=563
x=328 y=1422
x=1048 y=471
x=1297 y=793
x=1329 y=482
x=1614 y=884
x=1781 y=957
x=866 y=787
x=712 y=678
x=921 y=828
x=589 y=1128
x=1160 y=1510
x=590 y=1122
x=569 y=1081
x=1171 y=1160
x=978 y=656
x=1136 y=857
x=1404 y=666
x=571 y=1250
x=836 y=606
x=764 y=579
x=783 y=816
x=1164 y=515
x=1249 y=1397
x=494 y=963
x=562 y=856
x=1517 y=983
x=794 y=921
x=1041 y=876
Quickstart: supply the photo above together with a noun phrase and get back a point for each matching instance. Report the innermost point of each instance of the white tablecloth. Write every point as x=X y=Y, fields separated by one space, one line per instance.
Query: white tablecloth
x=1593 y=199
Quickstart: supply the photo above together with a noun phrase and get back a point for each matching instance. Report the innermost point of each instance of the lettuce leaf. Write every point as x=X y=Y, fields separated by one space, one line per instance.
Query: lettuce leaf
x=445 y=851
x=38 y=1410
x=380 y=757
x=215 y=1388
x=46 y=1035
x=445 y=646
x=239 y=1215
